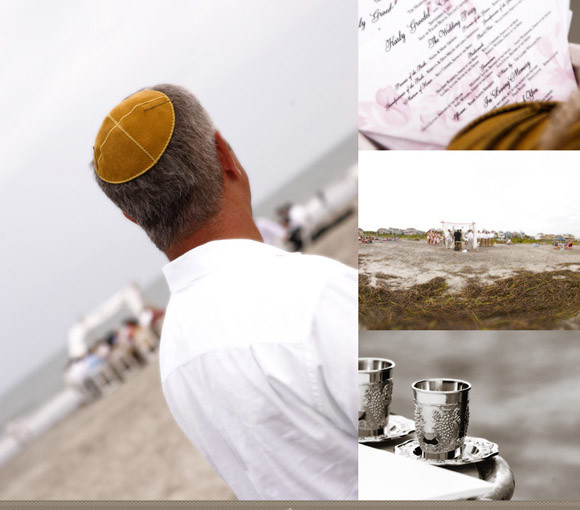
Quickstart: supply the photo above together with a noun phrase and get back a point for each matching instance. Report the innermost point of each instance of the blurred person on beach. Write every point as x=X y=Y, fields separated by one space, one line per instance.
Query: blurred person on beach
x=259 y=346
x=470 y=240
x=457 y=235
x=272 y=232
x=79 y=374
x=449 y=240
x=293 y=218
x=300 y=234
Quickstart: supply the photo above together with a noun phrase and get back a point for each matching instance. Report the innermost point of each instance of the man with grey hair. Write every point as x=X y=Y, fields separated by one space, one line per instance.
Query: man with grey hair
x=259 y=346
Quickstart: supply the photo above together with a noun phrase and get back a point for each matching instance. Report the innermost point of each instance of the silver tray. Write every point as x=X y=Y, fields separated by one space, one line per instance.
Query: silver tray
x=398 y=426
x=476 y=449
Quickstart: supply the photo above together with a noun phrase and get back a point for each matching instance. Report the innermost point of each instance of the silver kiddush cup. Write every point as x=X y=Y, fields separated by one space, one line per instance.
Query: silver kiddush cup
x=441 y=417
x=375 y=389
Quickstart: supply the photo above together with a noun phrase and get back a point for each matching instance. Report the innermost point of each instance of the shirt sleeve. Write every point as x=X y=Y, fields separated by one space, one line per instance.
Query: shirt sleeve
x=250 y=413
x=335 y=333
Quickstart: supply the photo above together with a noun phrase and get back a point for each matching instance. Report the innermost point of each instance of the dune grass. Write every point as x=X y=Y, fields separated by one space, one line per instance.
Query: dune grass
x=526 y=300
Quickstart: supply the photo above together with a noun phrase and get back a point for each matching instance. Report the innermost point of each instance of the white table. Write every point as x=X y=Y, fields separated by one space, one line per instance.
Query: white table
x=495 y=471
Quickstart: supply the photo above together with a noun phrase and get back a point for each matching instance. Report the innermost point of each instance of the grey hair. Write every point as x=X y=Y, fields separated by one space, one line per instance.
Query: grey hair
x=184 y=189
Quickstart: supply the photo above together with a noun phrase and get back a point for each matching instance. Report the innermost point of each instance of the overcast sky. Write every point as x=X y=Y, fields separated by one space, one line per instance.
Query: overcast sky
x=278 y=78
x=512 y=191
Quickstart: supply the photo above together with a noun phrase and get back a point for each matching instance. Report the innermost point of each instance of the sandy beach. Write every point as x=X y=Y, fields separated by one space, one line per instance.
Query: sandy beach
x=413 y=285
x=409 y=263
x=126 y=445
x=123 y=446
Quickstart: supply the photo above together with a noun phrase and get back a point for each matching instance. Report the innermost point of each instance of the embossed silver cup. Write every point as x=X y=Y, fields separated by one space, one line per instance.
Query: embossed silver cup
x=375 y=389
x=441 y=417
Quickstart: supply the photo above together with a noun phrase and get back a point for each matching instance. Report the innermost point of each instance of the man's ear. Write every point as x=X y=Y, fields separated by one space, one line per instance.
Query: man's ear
x=129 y=217
x=226 y=157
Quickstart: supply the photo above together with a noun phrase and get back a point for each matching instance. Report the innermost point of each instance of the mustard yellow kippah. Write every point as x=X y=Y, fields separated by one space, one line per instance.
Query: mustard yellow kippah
x=133 y=136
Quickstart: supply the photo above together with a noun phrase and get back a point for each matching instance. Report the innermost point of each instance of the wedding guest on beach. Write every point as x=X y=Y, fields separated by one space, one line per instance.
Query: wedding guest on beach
x=298 y=230
x=449 y=240
x=457 y=237
x=79 y=374
x=259 y=346
x=470 y=240
x=272 y=232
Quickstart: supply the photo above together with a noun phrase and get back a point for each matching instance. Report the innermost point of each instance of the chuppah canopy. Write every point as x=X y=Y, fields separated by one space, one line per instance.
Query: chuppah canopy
x=129 y=297
x=453 y=225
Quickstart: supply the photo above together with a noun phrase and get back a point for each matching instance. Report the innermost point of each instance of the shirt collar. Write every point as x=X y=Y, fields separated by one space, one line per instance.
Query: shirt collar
x=214 y=256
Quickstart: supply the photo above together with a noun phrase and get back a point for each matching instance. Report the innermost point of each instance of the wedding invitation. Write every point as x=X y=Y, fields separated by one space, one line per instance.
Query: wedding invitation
x=429 y=67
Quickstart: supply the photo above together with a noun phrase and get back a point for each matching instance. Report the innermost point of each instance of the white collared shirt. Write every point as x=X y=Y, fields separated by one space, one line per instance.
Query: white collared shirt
x=258 y=364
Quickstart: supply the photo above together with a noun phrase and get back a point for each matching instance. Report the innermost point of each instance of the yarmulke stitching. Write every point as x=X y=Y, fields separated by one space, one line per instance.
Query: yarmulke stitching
x=131 y=138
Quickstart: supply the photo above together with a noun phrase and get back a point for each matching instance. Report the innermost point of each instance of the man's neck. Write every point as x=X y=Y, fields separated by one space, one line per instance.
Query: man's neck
x=237 y=227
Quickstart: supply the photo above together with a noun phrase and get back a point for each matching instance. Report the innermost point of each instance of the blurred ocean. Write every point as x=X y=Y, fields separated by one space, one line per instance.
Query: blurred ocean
x=46 y=381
